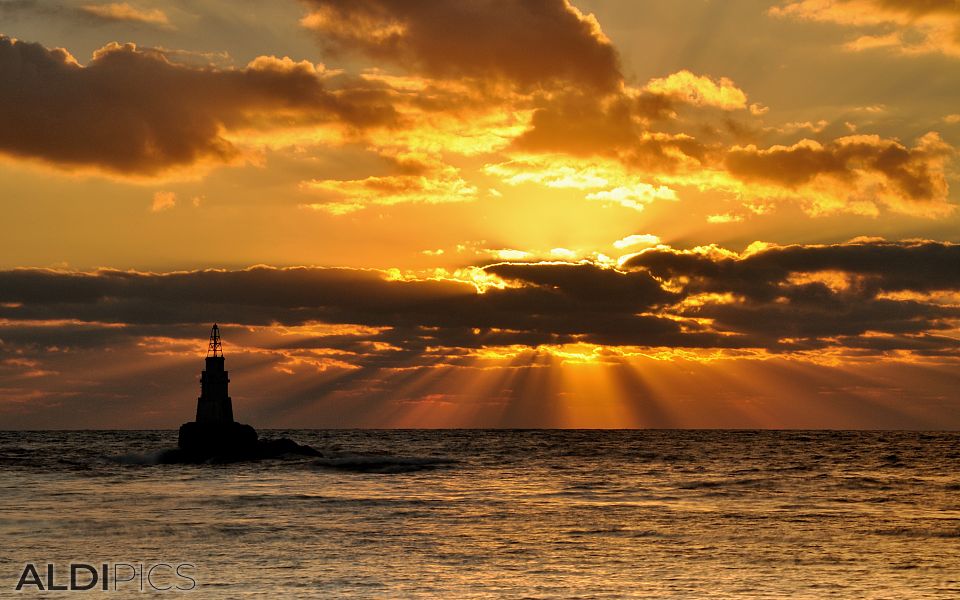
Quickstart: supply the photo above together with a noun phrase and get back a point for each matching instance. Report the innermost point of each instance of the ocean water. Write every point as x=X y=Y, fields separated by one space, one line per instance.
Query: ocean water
x=500 y=514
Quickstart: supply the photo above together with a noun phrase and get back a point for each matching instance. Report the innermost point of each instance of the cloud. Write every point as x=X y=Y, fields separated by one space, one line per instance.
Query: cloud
x=617 y=126
x=528 y=43
x=559 y=174
x=636 y=125
x=918 y=27
x=864 y=171
x=131 y=111
x=634 y=196
x=585 y=144
x=580 y=124
x=163 y=201
x=640 y=239
x=509 y=254
x=699 y=90
x=545 y=303
x=724 y=218
x=610 y=181
x=870 y=296
x=346 y=196
x=817 y=296
x=563 y=253
x=858 y=174
x=920 y=266
x=122 y=11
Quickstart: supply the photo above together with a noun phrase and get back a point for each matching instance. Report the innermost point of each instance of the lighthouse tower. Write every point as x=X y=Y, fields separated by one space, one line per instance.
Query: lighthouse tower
x=214 y=405
x=215 y=435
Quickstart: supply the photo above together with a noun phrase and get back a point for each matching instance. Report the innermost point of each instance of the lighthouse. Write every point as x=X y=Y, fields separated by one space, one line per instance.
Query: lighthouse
x=215 y=435
x=214 y=405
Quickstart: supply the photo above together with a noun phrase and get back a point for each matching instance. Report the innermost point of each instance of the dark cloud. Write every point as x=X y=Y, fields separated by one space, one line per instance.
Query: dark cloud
x=618 y=127
x=581 y=125
x=588 y=283
x=867 y=294
x=920 y=266
x=813 y=293
x=549 y=303
x=912 y=173
x=530 y=43
x=132 y=111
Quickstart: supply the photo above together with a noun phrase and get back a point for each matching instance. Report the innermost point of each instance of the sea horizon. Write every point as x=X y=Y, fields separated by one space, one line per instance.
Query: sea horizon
x=734 y=429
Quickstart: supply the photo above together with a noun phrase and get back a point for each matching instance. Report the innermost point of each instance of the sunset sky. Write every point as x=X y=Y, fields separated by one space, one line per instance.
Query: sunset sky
x=483 y=213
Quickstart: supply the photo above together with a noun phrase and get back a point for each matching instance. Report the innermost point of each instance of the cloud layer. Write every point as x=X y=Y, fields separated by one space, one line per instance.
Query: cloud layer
x=869 y=296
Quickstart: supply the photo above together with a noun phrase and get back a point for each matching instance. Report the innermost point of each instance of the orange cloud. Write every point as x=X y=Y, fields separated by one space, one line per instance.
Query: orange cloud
x=699 y=90
x=649 y=129
x=122 y=11
x=859 y=172
x=163 y=201
x=346 y=196
x=907 y=26
x=634 y=196
x=609 y=145
x=724 y=218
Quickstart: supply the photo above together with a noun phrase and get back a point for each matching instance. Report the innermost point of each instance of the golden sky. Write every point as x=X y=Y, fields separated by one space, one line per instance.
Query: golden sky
x=520 y=213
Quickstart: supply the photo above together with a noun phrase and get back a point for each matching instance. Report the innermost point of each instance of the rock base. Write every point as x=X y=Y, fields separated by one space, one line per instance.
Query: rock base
x=228 y=442
x=231 y=441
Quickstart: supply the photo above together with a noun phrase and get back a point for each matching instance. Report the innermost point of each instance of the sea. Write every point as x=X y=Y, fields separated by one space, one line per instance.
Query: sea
x=464 y=514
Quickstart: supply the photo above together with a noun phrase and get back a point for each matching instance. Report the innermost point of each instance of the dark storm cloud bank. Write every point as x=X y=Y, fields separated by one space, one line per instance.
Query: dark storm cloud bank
x=550 y=303
x=865 y=296
x=132 y=111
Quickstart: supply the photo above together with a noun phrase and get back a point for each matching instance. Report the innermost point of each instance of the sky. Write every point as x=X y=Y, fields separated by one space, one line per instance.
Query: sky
x=486 y=213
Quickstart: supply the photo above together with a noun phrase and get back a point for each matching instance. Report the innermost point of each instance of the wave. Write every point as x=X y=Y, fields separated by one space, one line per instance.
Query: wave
x=698 y=484
x=357 y=463
x=383 y=464
x=151 y=458
x=620 y=532
x=920 y=532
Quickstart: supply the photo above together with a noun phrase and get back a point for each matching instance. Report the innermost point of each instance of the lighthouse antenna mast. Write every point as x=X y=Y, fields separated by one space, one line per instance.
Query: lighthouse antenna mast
x=215 y=348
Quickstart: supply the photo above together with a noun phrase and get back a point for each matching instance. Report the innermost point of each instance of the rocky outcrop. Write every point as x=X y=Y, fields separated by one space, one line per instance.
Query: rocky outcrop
x=228 y=442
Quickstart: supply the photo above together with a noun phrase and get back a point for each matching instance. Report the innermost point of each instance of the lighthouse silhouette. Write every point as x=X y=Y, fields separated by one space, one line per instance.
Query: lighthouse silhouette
x=214 y=404
x=215 y=435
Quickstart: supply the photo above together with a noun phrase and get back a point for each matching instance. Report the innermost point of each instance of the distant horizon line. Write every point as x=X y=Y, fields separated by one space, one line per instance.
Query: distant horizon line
x=730 y=429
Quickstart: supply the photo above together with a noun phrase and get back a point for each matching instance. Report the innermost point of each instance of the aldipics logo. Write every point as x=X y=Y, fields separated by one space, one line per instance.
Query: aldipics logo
x=109 y=577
